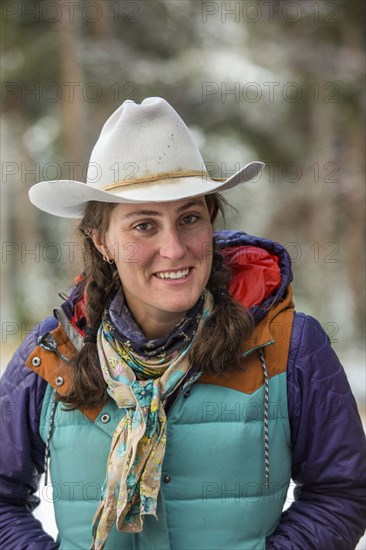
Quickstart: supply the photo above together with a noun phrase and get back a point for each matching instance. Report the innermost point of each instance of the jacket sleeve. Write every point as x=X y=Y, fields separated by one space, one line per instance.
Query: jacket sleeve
x=328 y=449
x=22 y=454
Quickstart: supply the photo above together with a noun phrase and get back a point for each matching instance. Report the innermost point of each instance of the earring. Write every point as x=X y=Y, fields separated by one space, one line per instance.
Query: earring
x=106 y=259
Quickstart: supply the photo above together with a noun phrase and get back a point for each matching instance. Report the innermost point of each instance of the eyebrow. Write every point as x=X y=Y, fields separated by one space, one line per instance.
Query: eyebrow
x=155 y=213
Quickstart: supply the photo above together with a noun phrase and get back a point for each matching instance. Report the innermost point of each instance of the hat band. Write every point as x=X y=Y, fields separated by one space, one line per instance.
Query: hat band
x=159 y=177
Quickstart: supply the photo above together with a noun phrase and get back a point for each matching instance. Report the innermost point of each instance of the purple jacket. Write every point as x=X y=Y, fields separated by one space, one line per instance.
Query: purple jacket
x=329 y=446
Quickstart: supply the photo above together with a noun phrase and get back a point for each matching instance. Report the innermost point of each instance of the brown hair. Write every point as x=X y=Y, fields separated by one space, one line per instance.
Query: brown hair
x=216 y=349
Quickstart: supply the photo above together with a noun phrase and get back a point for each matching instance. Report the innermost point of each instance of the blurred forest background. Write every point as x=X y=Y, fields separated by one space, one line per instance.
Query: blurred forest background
x=280 y=81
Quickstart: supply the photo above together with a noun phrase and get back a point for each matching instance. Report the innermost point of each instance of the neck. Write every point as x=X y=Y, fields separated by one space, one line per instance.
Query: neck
x=154 y=328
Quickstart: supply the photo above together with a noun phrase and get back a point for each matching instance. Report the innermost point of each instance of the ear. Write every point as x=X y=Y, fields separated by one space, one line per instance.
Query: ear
x=97 y=241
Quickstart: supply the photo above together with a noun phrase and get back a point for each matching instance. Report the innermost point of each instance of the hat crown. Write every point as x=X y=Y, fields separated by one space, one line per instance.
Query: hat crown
x=146 y=141
x=145 y=153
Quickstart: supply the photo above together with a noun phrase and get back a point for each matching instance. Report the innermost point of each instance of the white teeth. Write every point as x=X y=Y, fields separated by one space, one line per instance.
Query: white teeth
x=173 y=275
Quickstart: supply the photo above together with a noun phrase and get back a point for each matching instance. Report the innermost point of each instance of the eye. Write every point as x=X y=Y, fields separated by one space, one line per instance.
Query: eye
x=191 y=218
x=143 y=227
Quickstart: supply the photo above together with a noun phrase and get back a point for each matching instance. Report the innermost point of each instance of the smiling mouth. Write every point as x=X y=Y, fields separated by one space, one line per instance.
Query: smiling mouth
x=181 y=274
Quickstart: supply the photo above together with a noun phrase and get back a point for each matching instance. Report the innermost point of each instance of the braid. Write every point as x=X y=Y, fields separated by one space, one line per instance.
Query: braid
x=219 y=346
x=99 y=284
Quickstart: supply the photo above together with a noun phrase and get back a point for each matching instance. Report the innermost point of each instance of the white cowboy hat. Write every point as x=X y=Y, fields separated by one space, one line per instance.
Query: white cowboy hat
x=145 y=153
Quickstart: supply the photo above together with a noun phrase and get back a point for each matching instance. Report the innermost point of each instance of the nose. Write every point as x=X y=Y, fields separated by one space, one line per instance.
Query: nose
x=172 y=245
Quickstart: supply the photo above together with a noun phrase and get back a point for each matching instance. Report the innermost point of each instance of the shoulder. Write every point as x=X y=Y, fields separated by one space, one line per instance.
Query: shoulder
x=306 y=331
x=17 y=375
x=310 y=350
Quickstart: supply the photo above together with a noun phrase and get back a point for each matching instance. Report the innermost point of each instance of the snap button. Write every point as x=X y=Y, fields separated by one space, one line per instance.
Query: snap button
x=186 y=394
x=167 y=478
x=36 y=361
x=59 y=381
x=105 y=418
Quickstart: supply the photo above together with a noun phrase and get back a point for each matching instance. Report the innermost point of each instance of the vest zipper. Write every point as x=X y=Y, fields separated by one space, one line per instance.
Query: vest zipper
x=189 y=382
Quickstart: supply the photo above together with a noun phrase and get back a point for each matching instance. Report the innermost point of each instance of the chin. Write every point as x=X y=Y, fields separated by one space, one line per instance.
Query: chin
x=178 y=307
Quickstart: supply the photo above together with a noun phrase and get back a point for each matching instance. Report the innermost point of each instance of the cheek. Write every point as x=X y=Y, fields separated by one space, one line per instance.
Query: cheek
x=124 y=251
x=132 y=254
x=133 y=258
x=203 y=244
x=203 y=247
x=113 y=245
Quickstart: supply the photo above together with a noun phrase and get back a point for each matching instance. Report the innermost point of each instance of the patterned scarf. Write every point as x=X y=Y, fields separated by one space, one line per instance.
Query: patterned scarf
x=126 y=331
x=140 y=385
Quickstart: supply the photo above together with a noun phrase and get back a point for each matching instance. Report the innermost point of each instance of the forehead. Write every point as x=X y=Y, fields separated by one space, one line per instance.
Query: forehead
x=124 y=210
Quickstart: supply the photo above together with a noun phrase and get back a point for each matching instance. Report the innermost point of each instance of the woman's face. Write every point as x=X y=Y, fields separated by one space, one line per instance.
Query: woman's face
x=163 y=254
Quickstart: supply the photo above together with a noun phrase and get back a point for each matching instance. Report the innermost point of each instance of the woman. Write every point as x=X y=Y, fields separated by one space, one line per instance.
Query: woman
x=175 y=392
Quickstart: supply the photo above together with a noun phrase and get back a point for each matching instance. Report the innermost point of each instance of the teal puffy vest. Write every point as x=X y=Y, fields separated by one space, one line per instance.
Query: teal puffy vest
x=212 y=490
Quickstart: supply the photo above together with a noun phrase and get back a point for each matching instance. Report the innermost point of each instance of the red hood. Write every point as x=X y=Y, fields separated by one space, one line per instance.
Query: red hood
x=255 y=273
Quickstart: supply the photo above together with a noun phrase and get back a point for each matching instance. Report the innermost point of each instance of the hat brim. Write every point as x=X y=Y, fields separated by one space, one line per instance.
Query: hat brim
x=68 y=198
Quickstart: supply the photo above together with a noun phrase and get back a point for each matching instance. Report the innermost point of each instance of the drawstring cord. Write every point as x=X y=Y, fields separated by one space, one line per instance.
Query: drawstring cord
x=49 y=343
x=266 y=418
x=48 y=442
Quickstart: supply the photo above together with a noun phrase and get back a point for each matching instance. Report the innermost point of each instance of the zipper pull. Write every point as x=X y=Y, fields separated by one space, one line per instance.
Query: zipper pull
x=191 y=379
